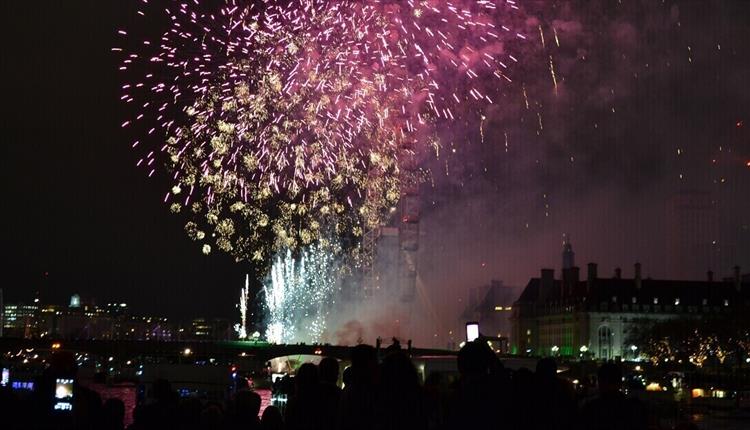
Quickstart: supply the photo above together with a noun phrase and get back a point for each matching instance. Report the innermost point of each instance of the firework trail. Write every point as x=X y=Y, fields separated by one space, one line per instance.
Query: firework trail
x=241 y=327
x=283 y=120
x=299 y=295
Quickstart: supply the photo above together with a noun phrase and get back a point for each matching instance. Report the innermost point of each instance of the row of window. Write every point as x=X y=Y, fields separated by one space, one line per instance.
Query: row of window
x=634 y=300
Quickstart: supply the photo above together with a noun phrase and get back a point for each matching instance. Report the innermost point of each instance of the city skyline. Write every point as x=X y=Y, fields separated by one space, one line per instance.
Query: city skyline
x=643 y=114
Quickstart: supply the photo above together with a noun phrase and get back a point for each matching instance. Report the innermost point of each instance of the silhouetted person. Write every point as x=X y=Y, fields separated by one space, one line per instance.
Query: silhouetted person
x=212 y=417
x=611 y=409
x=358 y=400
x=12 y=410
x=554 y=396
x=521 y=402
x=303 y=411
x=113 y=414
x=86 y=404
x=435 y=401
x=162 y=412
x=394 y=346
x=330 y=393
x=400 y=402
x=244 y=411
x=189 y=414
x=271 y=419
x=475 y=401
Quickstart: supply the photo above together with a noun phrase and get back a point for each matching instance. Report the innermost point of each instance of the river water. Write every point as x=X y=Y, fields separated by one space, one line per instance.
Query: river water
x=127 y=393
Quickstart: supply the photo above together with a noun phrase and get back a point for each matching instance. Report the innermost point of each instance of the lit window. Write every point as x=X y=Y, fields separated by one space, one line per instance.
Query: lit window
x=634 y=300
x=656 y=300
x=676 y=301
x=726 y=302
x=614 y=299
x=705 y=302
x=528 y=332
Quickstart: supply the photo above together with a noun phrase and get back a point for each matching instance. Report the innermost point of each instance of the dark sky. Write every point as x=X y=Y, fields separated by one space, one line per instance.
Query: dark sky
x=646 y=92
x=75 y=205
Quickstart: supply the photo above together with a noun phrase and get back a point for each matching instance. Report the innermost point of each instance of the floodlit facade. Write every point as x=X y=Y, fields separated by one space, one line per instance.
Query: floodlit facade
x=595 y=317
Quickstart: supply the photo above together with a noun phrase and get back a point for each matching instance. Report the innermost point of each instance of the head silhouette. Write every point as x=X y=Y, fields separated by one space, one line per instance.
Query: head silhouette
x=364 y=364
x=475 y=358
x=272 y=418
x=247 y=403
x=610 y=378
x=306 y=379
x=398 y=372
x=546 y=369
x=329 y=370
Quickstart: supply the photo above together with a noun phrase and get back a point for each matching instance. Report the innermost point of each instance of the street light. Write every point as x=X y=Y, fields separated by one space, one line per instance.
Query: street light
x=584 y=349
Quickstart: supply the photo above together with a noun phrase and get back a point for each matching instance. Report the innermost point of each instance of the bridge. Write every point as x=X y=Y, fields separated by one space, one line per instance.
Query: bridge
x=196 y=350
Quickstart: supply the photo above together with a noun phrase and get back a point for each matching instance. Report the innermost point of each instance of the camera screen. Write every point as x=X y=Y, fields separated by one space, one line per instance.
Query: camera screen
x=64 y=394
x=472 y=332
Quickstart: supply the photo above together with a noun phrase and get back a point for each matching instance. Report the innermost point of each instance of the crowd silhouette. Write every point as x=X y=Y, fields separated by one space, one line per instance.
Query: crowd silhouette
x=380 y=392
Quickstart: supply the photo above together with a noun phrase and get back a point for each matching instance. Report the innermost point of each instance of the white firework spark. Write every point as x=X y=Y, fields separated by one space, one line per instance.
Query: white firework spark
x=300 y=295
x=241 y=328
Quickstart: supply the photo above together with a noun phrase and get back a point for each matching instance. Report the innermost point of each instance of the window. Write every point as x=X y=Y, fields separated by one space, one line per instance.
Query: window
x=705 y=302
x=656 y=300
x=634 y=300
x=677 y=301
x=605 y=342
x=726 y=302
x=614 y=299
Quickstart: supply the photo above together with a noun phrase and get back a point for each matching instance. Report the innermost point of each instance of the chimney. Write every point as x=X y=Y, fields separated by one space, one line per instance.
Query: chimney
x=737 y=278
x=592 y=271
x=591 y=276
x=574 y=276
x=638 y=276
x=547 y=282
x=710 y=275
x=618 y=273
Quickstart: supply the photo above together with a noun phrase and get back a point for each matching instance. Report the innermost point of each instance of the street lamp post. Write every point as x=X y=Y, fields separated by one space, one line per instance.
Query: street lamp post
x=584 y=349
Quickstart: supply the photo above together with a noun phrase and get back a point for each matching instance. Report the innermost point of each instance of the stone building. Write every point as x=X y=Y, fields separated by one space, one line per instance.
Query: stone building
x=594 y=316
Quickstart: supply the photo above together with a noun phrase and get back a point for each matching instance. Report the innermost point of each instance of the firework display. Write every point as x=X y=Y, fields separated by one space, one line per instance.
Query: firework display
x=300 y=293
x=241 y=327
x=288 y=124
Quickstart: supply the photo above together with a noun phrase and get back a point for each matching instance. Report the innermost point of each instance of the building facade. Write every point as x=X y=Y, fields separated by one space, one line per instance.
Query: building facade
x=596 y=317
x=491 y=307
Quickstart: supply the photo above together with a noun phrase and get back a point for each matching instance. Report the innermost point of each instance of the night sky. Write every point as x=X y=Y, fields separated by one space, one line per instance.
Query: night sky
x=652 y=105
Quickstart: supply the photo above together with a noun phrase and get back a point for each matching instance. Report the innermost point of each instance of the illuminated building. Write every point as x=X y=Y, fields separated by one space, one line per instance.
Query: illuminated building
x=491 y=305
x=75 y=301
x=20 y=320
x=207 y=329
x=116 y=309
x=594 y=317
x=82 y=320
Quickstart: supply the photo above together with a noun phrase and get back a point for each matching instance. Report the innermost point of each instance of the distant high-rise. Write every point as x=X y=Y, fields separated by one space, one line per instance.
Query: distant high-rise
x=75 y=301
